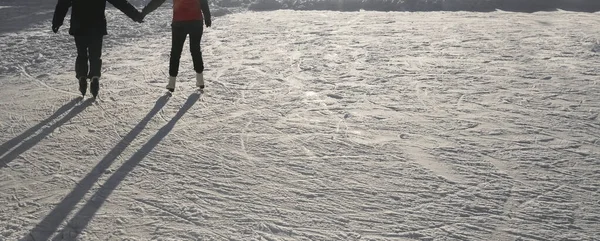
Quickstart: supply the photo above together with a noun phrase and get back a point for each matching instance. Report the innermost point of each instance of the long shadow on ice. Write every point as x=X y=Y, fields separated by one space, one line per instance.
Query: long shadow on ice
x=31 y=137
x=81 y=219
x=49 y=225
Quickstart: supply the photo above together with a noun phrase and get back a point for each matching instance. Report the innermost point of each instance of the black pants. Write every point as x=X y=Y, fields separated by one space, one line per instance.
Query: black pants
x=89 y=48
x=180 y=30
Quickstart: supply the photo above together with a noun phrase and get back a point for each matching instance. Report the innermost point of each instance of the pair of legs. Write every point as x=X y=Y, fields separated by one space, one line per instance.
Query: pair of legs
x=180 y=30
x=89 y=49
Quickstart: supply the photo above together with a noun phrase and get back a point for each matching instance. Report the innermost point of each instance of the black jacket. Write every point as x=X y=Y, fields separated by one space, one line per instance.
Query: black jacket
x=87 y=16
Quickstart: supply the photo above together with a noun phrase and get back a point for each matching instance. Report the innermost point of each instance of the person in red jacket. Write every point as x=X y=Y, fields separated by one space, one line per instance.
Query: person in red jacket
x=88 y=26
x=187 y=20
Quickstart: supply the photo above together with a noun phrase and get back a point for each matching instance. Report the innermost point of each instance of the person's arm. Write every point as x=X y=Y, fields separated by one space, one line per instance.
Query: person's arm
x=206 y=12
x=127 y=9
x=152 y=5
x=62 y=7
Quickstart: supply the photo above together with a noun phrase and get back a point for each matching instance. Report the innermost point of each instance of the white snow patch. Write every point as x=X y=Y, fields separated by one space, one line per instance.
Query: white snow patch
x=314 y=125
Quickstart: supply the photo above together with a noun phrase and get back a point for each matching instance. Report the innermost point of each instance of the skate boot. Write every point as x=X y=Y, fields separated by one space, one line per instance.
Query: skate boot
x=171 y=85
x=95 y=86
x=83 y=85
x=200 y=80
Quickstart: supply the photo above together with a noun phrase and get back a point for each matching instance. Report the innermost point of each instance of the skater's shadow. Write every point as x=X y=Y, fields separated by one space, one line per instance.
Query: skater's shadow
x=81 y=219
x=49 y=225
x=31 y=137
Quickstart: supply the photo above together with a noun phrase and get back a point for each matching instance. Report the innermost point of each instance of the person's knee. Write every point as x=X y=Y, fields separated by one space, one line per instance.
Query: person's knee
x=95 y=61
x=175 y=57
x=196 y=51
x=82 y=55
x=176 y=53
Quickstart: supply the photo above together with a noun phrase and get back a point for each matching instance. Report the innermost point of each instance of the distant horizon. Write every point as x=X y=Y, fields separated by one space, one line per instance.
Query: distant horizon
x=313 y=125
x=369 y=5
x=19 y=14
x=425 y=5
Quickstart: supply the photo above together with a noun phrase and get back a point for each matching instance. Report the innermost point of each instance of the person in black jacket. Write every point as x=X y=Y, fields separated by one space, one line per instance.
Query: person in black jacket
x=88 y=26
x=188 y=18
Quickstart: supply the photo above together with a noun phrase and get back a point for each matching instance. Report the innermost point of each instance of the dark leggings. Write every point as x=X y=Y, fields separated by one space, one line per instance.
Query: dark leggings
x=89 y=48
x=180 y=30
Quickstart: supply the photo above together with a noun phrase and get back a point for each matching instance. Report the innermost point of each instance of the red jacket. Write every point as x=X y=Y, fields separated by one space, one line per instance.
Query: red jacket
x=183 y=10
x=186 y=10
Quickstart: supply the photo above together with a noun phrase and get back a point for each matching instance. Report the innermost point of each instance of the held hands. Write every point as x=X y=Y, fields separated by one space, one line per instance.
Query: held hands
x=208 y=22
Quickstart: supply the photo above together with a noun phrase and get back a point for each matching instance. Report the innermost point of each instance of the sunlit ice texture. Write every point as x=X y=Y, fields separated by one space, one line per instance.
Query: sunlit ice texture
x=314 y=125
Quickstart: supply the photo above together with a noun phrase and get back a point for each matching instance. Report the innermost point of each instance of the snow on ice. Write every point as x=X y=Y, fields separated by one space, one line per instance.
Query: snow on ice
x=314 y=125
